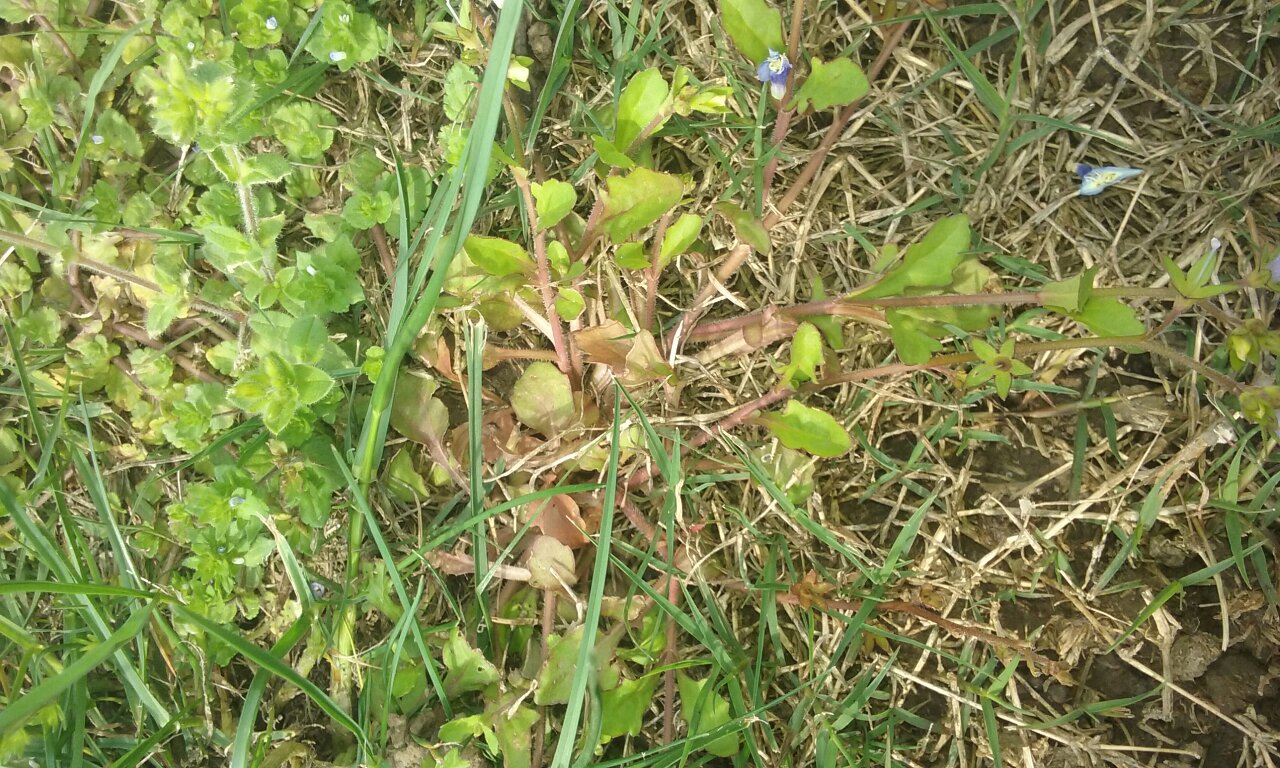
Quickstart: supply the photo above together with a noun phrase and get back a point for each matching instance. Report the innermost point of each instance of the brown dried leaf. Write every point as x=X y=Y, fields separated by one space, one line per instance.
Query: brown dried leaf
x=560 y=518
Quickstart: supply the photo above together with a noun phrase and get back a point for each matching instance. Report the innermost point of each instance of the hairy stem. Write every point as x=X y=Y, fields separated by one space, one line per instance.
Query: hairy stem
x=544 y=271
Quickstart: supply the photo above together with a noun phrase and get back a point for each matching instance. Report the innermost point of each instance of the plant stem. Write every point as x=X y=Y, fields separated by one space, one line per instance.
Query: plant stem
x=783 y=121
x=855 y=307
x=651 y=274
x=544 y=271
x=845 y=116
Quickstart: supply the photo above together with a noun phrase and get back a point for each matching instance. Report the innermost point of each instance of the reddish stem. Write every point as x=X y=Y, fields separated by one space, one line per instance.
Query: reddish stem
x=544 y=272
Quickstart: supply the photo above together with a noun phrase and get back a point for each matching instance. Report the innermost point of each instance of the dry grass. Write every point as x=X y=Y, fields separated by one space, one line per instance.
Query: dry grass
x=1004 y=545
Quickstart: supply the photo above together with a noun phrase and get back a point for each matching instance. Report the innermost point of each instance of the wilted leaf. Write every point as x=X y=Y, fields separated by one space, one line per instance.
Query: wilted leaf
x=559 y=518
x=415 y=412
x=550 y=564
x=746 y=227
x=808 y=429
x=835 y=84
x=543 y=399
x=633 y=357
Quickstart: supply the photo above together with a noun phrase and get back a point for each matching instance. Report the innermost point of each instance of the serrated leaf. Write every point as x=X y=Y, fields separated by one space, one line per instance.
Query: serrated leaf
x=467 y=668
x=705 y=712
x=681 y=234
x=543 y=399
x=837 y=83
x=754 y=26
x=498 y=257
x=748 y=228
x=642 y=102
x=312 y=383
x=264 y=169
x=637 y=200
x=808 y=429
x=553 y=201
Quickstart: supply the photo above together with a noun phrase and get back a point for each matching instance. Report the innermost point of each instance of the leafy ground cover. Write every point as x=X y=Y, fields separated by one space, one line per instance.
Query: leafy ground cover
x=433 y=384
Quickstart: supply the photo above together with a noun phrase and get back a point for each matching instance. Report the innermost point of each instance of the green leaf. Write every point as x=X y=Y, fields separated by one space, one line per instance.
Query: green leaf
x=837 y=83
x=498 y=257
x=622 y=710
x=637 y=200
x=554 y=200
x=312 y=383
x=705 y=711
x=1109 y=317
x=468 y=669
x=911 y=337
x=928 y=263
x=631 y=256
x=556 y=676
x=264 y=169
x=514 y=732
x=748 y=228
x=610 y=155
x=806 y=356
x=1069 y=295
x=830 y=326
x=681 y=234
x=808 y=429
x=642 y=106
x=754 y=27
x=569 y=304
x=543 y=399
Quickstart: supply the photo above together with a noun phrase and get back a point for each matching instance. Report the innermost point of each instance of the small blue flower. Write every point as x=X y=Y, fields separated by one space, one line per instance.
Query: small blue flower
x=1274 y=267
x=96 y=138
x=317 y=590
x=235 y=501
x=1094 y=180
x=337 y=56
x=774 y=71
x=272 y=23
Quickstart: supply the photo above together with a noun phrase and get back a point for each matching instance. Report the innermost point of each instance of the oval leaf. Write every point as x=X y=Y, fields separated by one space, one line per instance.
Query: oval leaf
x=835 y=84
x=753 y=26
x=802 y=428
x=638 y=199
x=498 y=257
x=543 y=399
